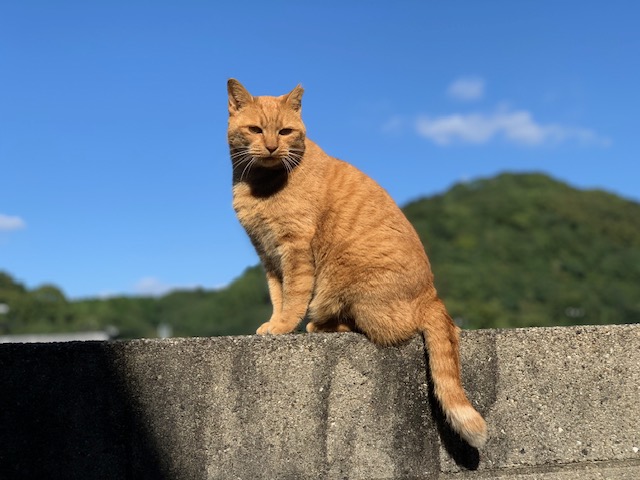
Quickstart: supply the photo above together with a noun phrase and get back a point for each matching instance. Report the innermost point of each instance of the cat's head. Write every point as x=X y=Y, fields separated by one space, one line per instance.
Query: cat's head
x=265 y=131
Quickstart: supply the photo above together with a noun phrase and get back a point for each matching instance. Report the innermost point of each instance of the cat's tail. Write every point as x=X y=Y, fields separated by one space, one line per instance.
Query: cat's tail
x=441 y=338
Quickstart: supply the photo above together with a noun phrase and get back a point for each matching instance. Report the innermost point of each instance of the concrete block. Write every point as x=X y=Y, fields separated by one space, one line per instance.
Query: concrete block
x=562 y=395
x=560 y=403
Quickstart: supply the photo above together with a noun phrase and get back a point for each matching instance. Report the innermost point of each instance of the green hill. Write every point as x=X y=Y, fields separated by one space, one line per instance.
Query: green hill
x=526 y=250
x=513 y=250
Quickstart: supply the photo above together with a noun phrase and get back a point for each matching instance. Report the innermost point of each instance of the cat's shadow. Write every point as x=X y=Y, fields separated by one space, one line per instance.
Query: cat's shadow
x=263 y=182
x=461 y=452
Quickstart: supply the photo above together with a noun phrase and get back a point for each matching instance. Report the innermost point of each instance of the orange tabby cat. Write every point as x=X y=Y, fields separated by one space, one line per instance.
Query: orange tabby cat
x=335 y=247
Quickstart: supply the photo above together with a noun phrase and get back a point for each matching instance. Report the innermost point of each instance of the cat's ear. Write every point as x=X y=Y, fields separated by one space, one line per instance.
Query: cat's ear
x=239 y=97
x=294 y=98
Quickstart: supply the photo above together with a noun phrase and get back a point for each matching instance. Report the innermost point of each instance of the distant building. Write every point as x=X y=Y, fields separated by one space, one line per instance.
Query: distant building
x=57 y=337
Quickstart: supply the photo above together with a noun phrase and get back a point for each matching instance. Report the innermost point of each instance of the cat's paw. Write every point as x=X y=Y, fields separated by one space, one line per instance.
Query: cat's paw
x=271 y=328
x=263 y=329
x=279 y=328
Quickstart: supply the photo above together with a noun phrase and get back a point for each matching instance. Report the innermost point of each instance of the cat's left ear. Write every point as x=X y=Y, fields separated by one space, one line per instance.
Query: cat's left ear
x=294 y=98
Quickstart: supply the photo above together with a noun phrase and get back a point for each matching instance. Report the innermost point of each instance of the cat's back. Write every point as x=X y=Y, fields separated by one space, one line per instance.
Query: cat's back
x=358 y=201
x=362 y=221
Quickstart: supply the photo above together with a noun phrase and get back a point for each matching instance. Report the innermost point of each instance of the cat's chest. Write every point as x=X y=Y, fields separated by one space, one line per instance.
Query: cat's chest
x=255 y=214
x=271 y=223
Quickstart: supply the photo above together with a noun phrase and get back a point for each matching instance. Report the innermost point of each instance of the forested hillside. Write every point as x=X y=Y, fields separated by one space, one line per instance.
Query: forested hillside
x=526 y=250
x=510 y=251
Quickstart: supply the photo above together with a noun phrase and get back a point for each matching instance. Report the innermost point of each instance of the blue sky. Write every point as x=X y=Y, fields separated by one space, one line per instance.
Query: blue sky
x=114 y=168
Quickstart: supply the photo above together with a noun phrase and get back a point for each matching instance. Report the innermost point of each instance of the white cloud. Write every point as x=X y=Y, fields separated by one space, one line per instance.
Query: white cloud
x=518 y=127
x=151 y=286
x=482 y=127
x=467 y=89
x=10 y=223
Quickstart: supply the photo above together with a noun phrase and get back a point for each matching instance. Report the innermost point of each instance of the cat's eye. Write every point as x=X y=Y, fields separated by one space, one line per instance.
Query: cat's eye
x=255 y=129
x=285 y=131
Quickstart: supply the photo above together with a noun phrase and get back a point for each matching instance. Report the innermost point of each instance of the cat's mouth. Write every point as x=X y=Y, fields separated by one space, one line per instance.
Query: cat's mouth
x=270 y=161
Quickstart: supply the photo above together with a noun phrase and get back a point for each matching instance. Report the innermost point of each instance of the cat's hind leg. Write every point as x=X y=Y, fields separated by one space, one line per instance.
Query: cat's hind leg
x=384 y=321
x=328 y=327
x=328 y=317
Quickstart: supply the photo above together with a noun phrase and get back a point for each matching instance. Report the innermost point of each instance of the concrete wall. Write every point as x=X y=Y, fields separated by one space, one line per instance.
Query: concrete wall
x=561 y=403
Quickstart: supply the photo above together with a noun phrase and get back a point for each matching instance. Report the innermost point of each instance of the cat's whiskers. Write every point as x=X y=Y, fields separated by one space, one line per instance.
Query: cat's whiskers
x=240 y=160
x=291 y=161
x=243 y=157
x=240 y=157
x=247 y=168
x=241 y=152
x=290 y=164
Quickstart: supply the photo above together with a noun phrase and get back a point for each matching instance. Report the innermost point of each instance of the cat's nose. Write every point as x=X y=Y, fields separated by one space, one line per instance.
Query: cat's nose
x=271 y=148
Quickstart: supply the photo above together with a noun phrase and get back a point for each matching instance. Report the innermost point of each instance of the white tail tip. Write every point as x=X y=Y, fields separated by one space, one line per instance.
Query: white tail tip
x=469 y=424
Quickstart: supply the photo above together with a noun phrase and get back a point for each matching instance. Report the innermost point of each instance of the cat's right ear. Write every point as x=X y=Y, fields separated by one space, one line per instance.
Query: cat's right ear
x=239 y=97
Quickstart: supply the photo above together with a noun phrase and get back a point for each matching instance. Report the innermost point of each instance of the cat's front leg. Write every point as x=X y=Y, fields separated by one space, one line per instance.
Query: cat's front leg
x=297 y=288
x=275 y=293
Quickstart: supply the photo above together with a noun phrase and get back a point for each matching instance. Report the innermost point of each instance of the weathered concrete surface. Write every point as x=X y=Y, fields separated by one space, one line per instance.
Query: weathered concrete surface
x=561 y=403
